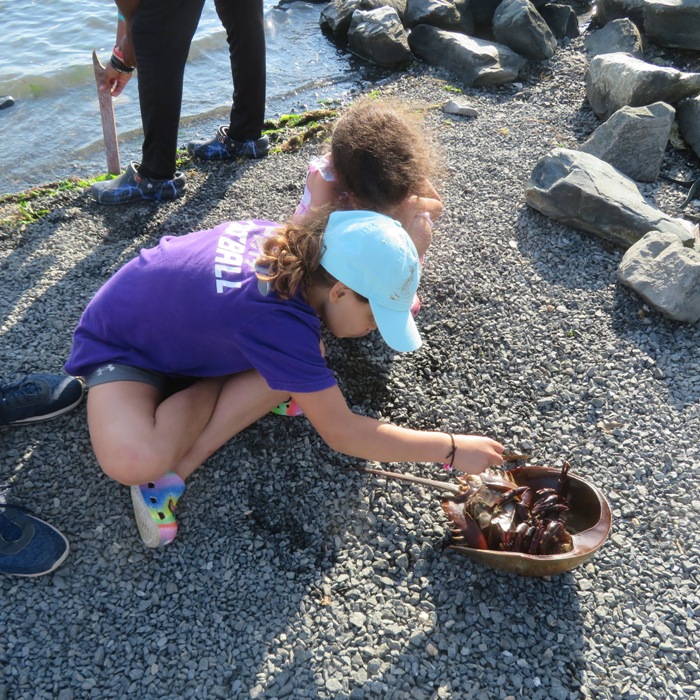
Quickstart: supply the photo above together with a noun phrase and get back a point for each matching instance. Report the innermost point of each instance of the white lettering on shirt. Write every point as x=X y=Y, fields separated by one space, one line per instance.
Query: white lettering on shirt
x=235 y=248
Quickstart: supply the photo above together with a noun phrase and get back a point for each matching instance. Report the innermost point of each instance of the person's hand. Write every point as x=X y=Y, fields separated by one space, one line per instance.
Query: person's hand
x=417 y=215
x=113 y=81
x=476 y=453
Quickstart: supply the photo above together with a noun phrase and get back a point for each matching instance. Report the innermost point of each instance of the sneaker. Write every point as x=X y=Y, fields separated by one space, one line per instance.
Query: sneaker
x=154 y=504
x=28 y=545
x=39 y=397
x=222 y=147
x=131 y=187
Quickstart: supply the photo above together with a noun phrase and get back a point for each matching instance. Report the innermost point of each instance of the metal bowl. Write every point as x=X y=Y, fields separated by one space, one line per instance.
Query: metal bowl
x=589 y=521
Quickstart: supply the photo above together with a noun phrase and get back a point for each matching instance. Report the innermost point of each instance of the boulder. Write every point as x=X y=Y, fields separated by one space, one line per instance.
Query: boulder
x=379 y=36
x=608 y=10
x=689 y=122
x=618 y=79
x=587 y=193
x=518 y=25
x=618 y=36
x=561 y=19
x=634 y=140
x=674 y=23
x=666 y=274
x=475 y=61
x=336 y=17
x=444 y=14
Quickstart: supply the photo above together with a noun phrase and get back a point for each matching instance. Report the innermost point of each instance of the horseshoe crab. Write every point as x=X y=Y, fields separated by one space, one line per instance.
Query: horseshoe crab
x=532 y=520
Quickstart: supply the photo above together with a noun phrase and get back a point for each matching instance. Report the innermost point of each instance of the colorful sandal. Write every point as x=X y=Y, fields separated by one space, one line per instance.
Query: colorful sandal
x=288 y=408
x=154 y=503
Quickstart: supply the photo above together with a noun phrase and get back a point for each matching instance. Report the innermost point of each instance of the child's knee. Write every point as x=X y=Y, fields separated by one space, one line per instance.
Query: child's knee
x=133 y=465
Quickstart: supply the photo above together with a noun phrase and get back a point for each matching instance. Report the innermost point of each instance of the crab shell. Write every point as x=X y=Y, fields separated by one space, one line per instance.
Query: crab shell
x=589 y=520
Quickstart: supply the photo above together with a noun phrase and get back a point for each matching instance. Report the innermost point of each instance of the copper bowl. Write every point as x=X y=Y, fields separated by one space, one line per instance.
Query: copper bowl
x=589 y=521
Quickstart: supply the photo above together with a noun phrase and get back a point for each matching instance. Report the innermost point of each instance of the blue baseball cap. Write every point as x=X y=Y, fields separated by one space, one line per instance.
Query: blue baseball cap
x=373 y=255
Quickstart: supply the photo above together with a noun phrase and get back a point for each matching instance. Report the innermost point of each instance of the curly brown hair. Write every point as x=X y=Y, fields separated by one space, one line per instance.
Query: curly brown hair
x=292 y=257
x=381 y=153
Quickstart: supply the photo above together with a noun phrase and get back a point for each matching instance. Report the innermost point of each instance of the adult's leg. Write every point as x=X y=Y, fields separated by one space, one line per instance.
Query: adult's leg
x=244 y=398
x=137 y=436
x=162 y=32
x=245 y=32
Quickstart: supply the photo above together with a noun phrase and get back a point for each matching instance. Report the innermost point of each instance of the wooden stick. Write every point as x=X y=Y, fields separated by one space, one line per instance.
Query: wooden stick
x=109 y=127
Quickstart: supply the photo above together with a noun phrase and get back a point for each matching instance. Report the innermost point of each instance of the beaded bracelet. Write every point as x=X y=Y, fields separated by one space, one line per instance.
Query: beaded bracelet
x=451 y=455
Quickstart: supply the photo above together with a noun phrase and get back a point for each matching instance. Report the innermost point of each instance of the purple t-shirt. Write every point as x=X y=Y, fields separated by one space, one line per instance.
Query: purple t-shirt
x=192 y=306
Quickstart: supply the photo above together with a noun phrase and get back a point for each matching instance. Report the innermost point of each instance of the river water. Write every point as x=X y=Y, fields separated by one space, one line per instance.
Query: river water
x=54 y=131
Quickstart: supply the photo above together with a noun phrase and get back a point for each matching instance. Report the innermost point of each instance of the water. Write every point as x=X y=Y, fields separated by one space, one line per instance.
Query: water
x=54 y=130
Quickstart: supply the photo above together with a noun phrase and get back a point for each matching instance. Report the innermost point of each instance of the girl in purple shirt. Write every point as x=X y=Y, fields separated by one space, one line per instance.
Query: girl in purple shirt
x=204 y=334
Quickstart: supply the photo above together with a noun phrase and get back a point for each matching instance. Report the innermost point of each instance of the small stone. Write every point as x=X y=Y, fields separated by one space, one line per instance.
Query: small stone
x=459 y=106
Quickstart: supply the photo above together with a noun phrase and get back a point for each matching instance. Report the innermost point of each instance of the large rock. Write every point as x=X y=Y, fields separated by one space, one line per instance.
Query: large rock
x=689 y=122
x=634 y=140
x=518 y=25
x=666 y=274
x=444 y=14
x=587 y=193
x=618 y=36
x=561 y=19
x=379 y=36
x=608 y=10
x=475 y=61
x=336 y=16
x=673 y=23
x=617 y=79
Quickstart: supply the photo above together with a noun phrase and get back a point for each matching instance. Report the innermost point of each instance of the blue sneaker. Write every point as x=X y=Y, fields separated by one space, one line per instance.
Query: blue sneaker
x=131 y=187
x=28 y=545
x=222 y=147
x=39 y=397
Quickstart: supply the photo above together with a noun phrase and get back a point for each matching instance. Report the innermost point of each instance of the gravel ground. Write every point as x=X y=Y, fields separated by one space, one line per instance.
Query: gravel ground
x=292 y=577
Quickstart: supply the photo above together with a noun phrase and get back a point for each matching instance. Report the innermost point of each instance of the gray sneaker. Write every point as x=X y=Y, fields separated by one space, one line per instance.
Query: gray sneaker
x=222 y=147
x=131 y=187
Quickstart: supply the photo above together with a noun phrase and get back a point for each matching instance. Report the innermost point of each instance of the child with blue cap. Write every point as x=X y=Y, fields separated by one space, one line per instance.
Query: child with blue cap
x=201 y=336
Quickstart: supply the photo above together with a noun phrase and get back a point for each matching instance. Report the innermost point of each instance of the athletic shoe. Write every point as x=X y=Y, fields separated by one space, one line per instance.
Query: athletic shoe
x=131 y=187
x=28 y=545
x=222 y=147
x=154 y=503
x=288 y=408
x=38 y=397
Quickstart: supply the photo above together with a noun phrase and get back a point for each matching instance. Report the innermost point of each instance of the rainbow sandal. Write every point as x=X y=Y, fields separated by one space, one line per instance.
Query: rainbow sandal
x=154 y=503
x=288 y=408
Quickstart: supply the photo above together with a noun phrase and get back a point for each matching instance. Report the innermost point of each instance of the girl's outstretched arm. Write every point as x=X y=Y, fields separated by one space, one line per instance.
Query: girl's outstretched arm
x=320 y=193
x=418 y=213
x=370 y=439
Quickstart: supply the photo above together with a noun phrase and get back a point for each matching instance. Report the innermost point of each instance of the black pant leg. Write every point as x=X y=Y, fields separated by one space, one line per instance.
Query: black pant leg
x=162 y=32
x=245 y=32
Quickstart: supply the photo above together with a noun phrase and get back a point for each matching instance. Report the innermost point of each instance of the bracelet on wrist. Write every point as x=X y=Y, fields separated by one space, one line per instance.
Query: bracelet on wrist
x=449 y=466
x=119 y=65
